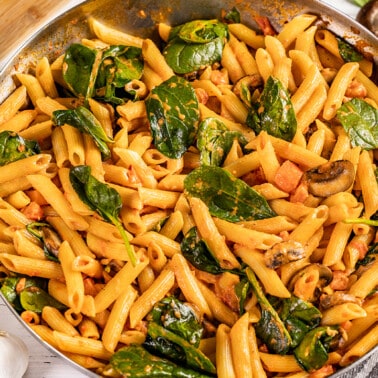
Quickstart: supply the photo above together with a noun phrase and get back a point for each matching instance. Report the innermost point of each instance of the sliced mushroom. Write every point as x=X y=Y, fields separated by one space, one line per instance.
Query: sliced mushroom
x=51 y=240
x=329 y=178
x=338 y=297
x=283 y=253
x=309 y=281
x=368 y=16
x=245 y=87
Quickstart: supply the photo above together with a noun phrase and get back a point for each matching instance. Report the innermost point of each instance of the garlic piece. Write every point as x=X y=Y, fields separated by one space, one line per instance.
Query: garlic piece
x=14 y=356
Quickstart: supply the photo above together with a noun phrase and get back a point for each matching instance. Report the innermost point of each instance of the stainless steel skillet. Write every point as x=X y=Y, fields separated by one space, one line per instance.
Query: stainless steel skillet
x=139 y=17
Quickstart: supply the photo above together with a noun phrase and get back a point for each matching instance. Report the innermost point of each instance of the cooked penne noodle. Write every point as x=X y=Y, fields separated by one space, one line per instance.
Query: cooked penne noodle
x=158 y=290
x=117 y=318
x=73 y=278
x=12 y=104
x=53 y=195
x=240 y=351
x=188 y=284
x=28 y=266
x=114 y=287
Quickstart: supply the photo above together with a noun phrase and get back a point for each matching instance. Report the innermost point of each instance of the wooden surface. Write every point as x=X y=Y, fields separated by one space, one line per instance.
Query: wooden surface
x=17 y=18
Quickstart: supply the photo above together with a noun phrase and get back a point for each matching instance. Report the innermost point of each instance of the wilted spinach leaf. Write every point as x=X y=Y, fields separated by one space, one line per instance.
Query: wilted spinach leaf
x=102 y=73
x=195 y=250
x=360 y=120
x=101 y=198
x=242 y=290
x=214 y=141
x=226 y=196
x=48 y=237
x=273 y=112
x=347 y=51
x=177 y=317
x=195 y=45
x=312 y=352
x=194 y=358
x=299 y=318
x=86 y=122
x=8 y=289
x=120 y=65
x=13 y=147
x=28 y=293
x=173 y=113
x=33 y=298
x=270 y=328
x=80 y=69
x=135 y=361
x=174 y=332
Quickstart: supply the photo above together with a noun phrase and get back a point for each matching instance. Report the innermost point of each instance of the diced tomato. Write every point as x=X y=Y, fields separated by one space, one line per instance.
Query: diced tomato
x=300 y=194
x=288 y=176
x=33 y=211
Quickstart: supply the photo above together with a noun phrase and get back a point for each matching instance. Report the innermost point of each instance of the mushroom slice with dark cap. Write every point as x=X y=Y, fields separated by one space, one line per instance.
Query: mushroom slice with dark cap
x=336 y=298
x=283 y=253
x=368 y=16
x=329 y=178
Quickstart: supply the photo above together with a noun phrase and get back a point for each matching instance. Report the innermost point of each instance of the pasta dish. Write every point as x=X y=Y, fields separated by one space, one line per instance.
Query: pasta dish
x=204 y=206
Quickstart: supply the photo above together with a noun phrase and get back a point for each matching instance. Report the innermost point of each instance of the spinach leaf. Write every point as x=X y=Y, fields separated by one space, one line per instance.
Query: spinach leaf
x=101 y=198
x=179 y=318
x=214 y=141
x=226 y=196
x=173 y=113
x=360 y=120
x=195 y=45
x=86 y=122
x=135 y=361
x=273 y=112
x=80 y=69
x=33 y=298
x=8 y=289
x=312 y=352
x=28 y=293
x=13 y=147
x=270 y=328
x=48 y=237
x=347 y=51
x=242 y=290
x=202 y=31
x=299 y=318
x=195 y=250
x=174 y=332
x=194 y=358
x=102 y=73
x=120 y=65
